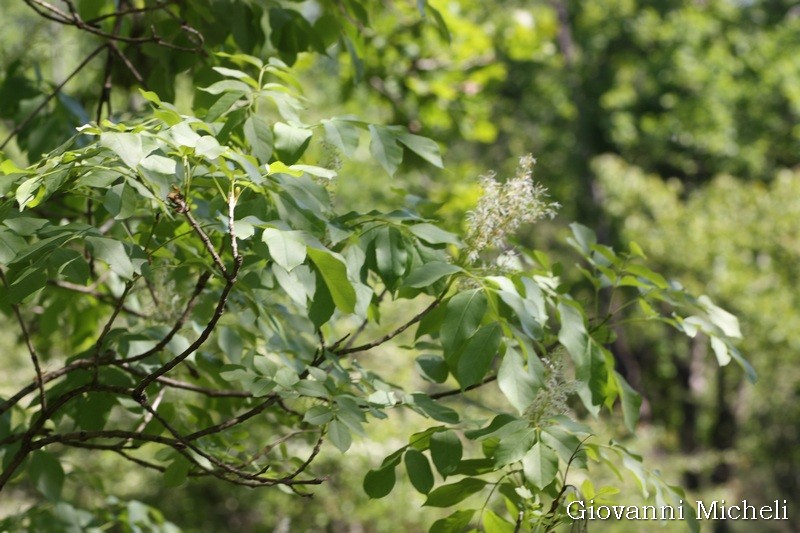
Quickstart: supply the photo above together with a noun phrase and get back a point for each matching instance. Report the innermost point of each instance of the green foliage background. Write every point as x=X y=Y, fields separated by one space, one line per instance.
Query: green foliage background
x=671 y=124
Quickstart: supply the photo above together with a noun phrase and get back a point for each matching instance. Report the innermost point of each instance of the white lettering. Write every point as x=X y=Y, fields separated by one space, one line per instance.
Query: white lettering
x=632 y=514
x=701 y=511
x=581 y=512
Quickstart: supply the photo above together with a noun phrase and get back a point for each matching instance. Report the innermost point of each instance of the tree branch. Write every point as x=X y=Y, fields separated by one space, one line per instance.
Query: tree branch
x=29 y=344
x=389 y=336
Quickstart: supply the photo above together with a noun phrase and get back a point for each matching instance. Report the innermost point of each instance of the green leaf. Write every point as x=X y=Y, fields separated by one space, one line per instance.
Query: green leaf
x=433 y=368
x=451 y=494
x=319 y=172
x=227 y=86
x=208 y=147
x=120 y=201
x=290 y=142
x=464 y=313
x=455 y=523
x=540 y=465
x=477 y=356
x=419 y=470
x=93 y=411
x=128 y=146
x=501 y=426
x=342 y=134
x=30 y=281
x=231 y=343
x=390 y=255
x=493 y=523
x=222 y=105
x=27 y=190
x=176 y=473
x=514 y=447
x=426 y=148
x=631 y=402
x=564 y=442
x=46 y=474
x=259 y=137
x=584 y=237
x=339 y=435
x=434 y=409
x=724 y=320
x=318 y=415
x=573 y=335
x=379 y=483
x=517 y=384
x=384 y=148
x=114 y=254
x=434 y=234
x=10 y=244
x=446 y=451
x=334 y=272
x=429 y=273
x=287 y=248
x=322 y=305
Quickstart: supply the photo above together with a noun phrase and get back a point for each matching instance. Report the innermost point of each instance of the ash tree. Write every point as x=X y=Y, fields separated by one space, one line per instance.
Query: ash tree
x=178 y=280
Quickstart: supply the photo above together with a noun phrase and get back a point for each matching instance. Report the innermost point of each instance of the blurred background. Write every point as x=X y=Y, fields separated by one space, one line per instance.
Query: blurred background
x=674 y=124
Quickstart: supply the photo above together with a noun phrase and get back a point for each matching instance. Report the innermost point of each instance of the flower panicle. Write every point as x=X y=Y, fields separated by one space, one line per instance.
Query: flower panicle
x=505 y=206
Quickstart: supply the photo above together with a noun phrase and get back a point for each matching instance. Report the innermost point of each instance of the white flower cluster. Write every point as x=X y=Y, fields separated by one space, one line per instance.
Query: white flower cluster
x=551 y=400
x=504 y=207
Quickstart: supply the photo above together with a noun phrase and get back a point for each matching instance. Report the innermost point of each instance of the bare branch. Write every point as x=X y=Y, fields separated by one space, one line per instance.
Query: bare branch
x=180 y=205
x=99 y=344
x=190 y=303
x=178 y=359
x=455 y=392
x=176 y=384
x=389 y=336
x=29 y=344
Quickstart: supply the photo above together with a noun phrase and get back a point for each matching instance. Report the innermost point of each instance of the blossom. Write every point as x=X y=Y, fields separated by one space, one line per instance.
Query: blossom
x=505 y=206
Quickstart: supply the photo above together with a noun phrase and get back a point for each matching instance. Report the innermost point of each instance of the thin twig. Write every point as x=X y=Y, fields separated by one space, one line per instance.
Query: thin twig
x=235 y=421
x=218 y=311
x=61 y=17
x=180 y=205
x=454 y=392
x=176 y=384
x=352 y=337
x=308 y=461
x=46 y=378
x=29 y=343
x=130 y=11
x=127 y=62
x=117 y=308
x=190 y=303
x=19 y=127
x=389 y=336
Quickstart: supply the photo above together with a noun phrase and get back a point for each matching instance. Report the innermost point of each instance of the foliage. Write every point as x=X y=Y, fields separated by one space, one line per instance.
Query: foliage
x=749 y=271
x=184 y=286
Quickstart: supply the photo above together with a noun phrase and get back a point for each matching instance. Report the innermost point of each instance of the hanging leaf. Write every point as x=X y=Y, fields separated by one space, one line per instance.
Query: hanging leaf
x=384 y=148
x=419 y=470
x=333 y=270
